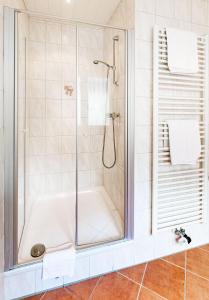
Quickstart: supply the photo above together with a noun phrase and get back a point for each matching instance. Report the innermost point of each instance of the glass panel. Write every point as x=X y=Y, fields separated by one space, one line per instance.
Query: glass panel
x=71 y=147
x=50 y=154
x=101 y=135
x=21 y=118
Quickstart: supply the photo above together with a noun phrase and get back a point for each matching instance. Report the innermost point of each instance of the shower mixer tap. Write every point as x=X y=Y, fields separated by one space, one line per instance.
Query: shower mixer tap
x=182 y=237
x=113 y=115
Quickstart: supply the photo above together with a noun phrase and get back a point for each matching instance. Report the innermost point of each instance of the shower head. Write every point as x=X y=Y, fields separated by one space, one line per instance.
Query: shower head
x=96 y=62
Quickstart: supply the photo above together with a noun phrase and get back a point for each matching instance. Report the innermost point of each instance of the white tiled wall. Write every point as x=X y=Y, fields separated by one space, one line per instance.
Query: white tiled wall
x=114 y=178
x=52 y=114
x=90 y=134
x=187 y=15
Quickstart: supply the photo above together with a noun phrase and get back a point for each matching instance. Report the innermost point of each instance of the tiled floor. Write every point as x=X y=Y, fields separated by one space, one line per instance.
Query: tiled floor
x=176 y=277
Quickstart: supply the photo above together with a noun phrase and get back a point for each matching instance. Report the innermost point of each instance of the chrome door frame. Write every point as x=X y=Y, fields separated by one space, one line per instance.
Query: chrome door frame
x=10 y=140
x=130 y=133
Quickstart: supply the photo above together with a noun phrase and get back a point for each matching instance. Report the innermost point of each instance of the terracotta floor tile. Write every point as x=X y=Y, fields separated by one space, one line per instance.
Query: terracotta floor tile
x=135 y=273
x=36 y=297
x=162 y=280
x=198 y=262
x=197 y=288
x=146 y=294
x=83 y=289
x=177 y=259
x=205 y=247
x=115 y=287
x=60 y=294
x=165 y=279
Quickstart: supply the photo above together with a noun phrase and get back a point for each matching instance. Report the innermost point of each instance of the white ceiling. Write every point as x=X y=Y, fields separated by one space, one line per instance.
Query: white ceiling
x=93 y=11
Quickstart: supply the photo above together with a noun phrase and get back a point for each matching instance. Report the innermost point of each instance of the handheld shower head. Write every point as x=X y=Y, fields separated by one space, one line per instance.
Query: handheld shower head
x=96 y=62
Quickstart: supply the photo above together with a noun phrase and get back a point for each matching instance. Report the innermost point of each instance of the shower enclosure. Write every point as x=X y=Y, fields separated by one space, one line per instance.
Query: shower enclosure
x=66 y=134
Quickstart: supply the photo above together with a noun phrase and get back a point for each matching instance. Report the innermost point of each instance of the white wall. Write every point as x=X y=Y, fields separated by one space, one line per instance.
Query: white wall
x=183 y=14
x=114 y=177
x=52 y=114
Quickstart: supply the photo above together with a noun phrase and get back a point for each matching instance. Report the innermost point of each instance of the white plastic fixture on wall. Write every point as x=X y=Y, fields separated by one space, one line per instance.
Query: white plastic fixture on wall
x=179 y=192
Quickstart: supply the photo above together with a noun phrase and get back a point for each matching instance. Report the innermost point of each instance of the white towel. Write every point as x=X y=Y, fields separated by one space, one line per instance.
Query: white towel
x=59 y=262
x=184 y=141
x=182 y=51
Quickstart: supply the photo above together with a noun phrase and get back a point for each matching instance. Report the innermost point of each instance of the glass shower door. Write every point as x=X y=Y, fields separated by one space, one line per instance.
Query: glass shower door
x=71 y=135
x=47 y=148
x=100 y=135
x=69 y=132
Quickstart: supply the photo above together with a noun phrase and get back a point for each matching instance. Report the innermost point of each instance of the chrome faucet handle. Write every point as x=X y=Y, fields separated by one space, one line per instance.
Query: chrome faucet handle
x=114 y=115
x=181 y=234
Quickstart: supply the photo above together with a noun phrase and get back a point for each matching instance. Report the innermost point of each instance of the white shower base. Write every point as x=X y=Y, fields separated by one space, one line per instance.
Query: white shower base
x=52 y=221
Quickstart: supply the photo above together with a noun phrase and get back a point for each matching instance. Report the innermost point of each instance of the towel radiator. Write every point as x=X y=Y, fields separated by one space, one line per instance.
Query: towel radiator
x=179 y=192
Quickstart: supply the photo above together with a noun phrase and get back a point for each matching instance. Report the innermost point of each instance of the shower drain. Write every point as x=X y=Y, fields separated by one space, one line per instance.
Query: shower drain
x=37 y=250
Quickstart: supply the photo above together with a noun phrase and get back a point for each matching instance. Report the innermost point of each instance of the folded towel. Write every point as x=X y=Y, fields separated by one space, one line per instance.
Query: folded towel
x=59 y=262
x=184 y=141
x=182 y=51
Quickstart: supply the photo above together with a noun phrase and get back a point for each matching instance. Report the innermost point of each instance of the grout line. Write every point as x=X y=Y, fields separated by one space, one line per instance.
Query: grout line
x=69 y=291
x=191 y=8
x=24 y=3
x=139 y=291
x=98 y=281
x=172 y=18
x=154 y=292
x=197 y=275
x=202 y=249
x=129 y=278
x=43 y=295
x=185 y=277
x=145 y=269
x=172 y=263
x=155 y=10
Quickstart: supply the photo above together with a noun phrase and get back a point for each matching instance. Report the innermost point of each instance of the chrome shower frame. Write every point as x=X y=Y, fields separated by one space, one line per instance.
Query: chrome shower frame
x=11 y=135
x=115 y=40
x=113 y=67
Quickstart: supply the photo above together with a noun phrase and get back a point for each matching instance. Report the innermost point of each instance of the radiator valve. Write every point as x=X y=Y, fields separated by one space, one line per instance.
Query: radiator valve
x=181 y=236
